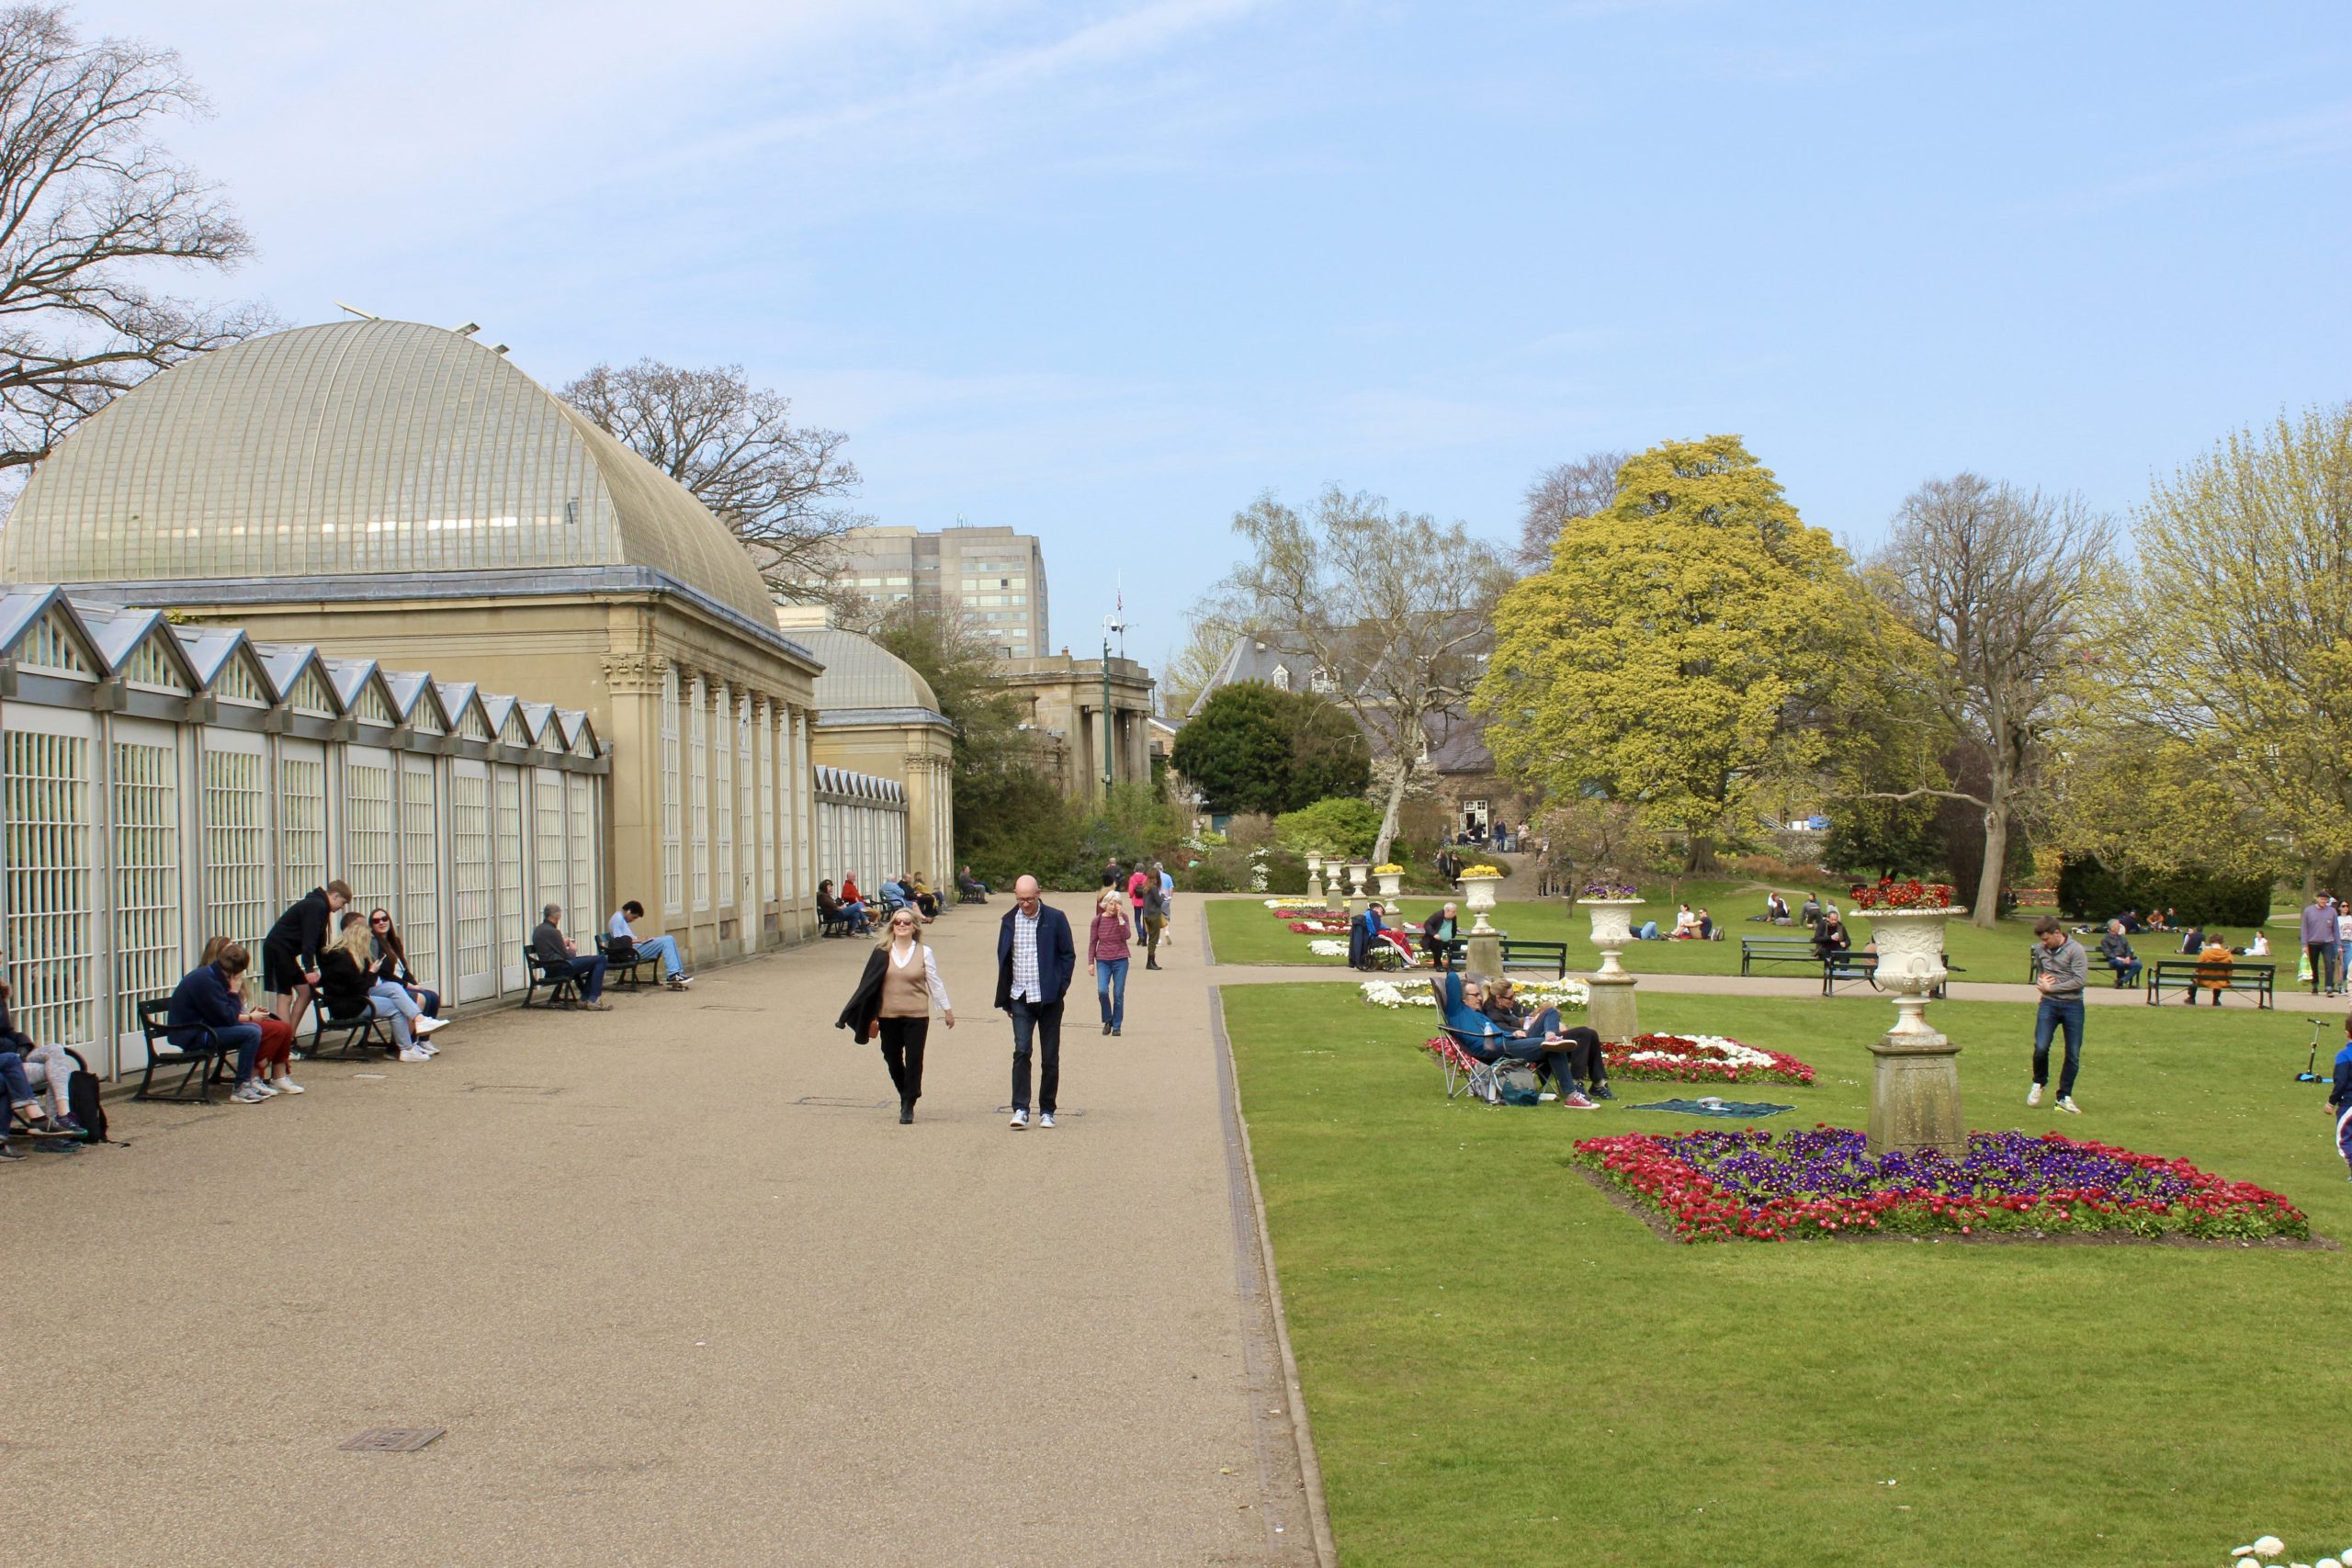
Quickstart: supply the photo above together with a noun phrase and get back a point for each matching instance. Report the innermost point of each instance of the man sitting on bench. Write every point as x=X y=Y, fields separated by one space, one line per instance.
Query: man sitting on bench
x=970 y=890
x=1436 y=931
x=624 y=946
x=2115 y=952
x=557 y=956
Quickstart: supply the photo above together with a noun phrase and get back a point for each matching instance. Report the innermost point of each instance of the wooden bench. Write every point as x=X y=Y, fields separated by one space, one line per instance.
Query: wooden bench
x=2181 y=975
x=621 y=970
x=1551 y=955
x=206 y=1063
x=2098 y=963
x=1755 y=950
x=352 y=1032
x=562 y=985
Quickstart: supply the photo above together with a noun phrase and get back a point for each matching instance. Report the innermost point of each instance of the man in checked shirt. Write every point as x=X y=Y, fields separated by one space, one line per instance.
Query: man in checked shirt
x=1035 y=961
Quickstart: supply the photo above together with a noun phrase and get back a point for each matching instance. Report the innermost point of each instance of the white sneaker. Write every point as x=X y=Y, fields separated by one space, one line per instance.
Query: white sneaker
x=679 y=982
x=1046 y=1119
x=413 y=1054
x=286 y=1086
x=1019 y=1121
x=2034 y=1095
x=428 y=1048
x=425 y=1026
x=2066 y=1103
x=247 y=1094
x=261 y=1089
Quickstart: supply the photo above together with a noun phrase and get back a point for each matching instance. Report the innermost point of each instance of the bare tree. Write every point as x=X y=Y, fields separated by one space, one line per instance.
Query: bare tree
x=2000 y=584
x=1395 y=608
x=87 y=200
x=1560 y=495
x=781 y=487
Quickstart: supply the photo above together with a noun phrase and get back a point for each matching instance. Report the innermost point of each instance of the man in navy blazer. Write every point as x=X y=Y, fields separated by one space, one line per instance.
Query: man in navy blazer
x=1035 y=961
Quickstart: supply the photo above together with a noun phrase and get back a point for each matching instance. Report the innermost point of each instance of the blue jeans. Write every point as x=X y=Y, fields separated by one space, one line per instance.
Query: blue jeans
x=19 y=1088
x=1138 y=909
x=2054 y=1013
x=590 y=973
x=663 y=949
x=2127 y=971
x=246 y=1038
x=1110 y=989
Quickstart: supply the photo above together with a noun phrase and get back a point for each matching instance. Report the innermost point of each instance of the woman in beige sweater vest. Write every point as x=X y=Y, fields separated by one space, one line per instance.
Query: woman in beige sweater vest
x=894 y=999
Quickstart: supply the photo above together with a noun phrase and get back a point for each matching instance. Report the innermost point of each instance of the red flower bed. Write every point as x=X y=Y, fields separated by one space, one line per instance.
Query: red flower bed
x=1319 y=928
x=1708 y=1058
x=1891 y=894
x=1726 y=1186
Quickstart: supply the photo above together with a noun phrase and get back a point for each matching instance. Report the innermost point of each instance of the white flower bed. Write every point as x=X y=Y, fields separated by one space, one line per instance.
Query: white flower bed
x=1733 y=1051
x=1537 y=994
x=1323 y=947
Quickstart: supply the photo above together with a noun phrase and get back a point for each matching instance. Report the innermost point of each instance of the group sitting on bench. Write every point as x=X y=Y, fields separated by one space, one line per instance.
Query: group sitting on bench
x=26 y=1069
x=624 y=950
x=842 y=915
x=1490 y=1022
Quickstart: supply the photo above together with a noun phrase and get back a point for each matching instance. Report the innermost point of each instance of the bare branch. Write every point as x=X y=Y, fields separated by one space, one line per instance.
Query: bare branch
x=1558 y=496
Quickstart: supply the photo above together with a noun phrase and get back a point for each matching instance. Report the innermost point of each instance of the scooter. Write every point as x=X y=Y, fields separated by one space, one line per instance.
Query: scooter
x=2308 y=1075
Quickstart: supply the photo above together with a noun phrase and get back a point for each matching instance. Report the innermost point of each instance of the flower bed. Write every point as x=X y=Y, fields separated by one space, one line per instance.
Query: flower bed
x=1292 y=909
x=1702 y=1058
x=1538 y=994
x=1323 y=947
x=1327 y=926
x=1892 y=894
x=1756 y=1186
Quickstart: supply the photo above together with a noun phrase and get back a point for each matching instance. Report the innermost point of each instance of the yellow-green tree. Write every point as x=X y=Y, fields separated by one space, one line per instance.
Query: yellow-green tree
x=1688 y=645
x=2226 y=688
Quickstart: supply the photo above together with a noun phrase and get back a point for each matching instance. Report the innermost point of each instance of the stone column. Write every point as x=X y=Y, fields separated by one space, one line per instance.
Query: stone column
x=632 y=857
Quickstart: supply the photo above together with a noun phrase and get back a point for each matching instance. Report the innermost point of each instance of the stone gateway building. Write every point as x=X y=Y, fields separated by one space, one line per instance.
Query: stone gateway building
x=396 y=492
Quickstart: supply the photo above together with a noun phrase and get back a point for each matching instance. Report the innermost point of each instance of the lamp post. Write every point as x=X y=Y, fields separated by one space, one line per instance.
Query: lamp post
x=1110 y=625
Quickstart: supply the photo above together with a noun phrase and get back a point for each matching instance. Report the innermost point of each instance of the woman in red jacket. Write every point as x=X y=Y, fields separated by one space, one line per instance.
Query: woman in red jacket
x=1106 y=958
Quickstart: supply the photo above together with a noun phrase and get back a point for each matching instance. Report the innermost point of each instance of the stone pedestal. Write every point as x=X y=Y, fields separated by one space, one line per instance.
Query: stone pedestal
x=1914 y=1097
x=1610 y=1009
x=1482 y=954
x=1915 y=1082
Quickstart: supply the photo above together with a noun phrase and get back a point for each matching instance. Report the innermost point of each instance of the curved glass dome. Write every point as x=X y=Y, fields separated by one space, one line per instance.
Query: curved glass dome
x=361 y=447
x=861 y=672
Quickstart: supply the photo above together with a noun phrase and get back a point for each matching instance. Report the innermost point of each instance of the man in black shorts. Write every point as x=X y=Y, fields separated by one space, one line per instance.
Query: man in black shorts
x=290 y=953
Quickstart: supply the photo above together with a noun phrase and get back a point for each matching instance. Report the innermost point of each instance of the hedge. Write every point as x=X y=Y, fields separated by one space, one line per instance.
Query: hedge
x=2089 y=891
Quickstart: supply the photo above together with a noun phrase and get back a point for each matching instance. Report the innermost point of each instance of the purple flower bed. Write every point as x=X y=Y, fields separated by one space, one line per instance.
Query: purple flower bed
x=1764 y=1187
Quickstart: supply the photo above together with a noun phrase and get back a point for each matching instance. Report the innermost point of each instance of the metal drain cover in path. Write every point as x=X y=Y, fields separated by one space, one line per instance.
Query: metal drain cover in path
x=392 y=1439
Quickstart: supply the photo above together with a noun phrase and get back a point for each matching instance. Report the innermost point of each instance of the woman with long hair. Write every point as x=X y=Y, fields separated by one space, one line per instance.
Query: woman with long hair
x=893 y=1002
x=1106 y=957
x=347 y=981
x=391 y=967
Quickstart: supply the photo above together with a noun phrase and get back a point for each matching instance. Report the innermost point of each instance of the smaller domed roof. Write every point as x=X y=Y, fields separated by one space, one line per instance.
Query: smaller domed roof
x=862 y=673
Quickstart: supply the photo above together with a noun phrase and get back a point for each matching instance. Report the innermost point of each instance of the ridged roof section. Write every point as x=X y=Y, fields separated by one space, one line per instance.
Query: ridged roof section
x=358 y=447
x=862 y=673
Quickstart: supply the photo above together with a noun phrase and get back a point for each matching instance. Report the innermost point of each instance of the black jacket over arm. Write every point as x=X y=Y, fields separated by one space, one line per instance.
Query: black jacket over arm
x=864 y=1009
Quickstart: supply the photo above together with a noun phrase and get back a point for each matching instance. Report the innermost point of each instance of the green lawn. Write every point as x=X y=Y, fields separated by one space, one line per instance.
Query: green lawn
x=1503 y=1369
x=1244 y=932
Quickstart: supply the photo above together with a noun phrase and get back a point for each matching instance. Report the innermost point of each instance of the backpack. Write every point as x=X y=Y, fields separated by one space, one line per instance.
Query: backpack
x=82 y=1100
x=1516 y=1085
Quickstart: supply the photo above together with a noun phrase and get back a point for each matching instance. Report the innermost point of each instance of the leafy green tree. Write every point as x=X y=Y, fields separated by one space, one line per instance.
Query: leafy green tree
x=1689 y=644
x=1254 y=748
x=2225 y=688
x=1348 y=826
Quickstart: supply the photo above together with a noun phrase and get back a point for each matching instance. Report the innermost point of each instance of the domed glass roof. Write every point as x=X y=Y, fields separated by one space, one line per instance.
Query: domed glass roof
x=862 y=673
x=357 y=448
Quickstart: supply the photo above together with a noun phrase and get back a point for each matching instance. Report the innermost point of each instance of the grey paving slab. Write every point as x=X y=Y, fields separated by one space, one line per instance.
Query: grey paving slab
x=680 y=1288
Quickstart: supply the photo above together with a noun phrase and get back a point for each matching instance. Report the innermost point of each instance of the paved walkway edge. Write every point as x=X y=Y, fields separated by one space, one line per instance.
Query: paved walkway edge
x=1264 y=1293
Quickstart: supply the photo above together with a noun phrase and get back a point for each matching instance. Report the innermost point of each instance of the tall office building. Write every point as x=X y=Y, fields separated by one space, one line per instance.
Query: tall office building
x=996 y=576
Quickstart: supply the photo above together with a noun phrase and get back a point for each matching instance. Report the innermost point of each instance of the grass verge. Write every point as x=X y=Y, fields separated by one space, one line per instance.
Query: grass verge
x=1504 y=1368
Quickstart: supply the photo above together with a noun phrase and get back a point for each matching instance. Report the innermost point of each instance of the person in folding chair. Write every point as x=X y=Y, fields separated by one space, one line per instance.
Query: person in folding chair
x=1537 y=1042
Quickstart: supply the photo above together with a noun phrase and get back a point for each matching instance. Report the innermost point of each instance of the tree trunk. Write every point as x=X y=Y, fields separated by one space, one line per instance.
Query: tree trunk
x=1701 y=857
x=1389 y=818
x=1987 y=911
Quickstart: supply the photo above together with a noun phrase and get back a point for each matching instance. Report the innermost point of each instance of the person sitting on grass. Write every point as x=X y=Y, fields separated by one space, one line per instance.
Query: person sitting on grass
x=2115 y=952
x=2194 y=943
x=1707 y=932
x=558 y=956
x=1686 y=925
x=622 y=946
x=1776 y=909
x=2259 y=945
x=1811 y=914
x=2212 y=970
x=1537 y=1042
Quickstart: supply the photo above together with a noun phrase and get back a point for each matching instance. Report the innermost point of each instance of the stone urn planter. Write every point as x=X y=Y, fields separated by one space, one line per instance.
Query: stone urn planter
x=1360 y=873
x=1914 y=1086
x=1391 y=883
x=1478 y=891
x=1612 y=927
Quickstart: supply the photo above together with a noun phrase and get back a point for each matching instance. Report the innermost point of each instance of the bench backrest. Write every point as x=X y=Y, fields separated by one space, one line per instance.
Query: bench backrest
x=155 y=1017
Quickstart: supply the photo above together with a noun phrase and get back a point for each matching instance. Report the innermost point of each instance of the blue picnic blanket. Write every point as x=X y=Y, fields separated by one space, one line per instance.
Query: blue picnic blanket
x=1728 y=1107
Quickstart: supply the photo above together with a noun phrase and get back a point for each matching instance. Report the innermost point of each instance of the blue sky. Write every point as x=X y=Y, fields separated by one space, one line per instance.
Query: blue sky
x=1104 y=272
